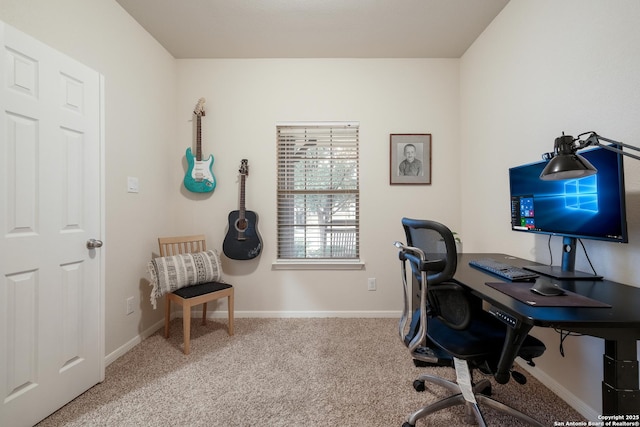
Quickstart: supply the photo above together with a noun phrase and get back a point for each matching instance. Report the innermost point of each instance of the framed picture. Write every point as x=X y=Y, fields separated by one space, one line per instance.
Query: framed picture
x=410 y=158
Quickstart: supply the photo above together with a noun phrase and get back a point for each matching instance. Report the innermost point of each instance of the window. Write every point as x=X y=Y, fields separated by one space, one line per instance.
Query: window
x=318 y=191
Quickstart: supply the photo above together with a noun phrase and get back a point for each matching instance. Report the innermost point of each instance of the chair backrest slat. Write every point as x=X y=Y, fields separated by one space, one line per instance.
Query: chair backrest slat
x=170 y=246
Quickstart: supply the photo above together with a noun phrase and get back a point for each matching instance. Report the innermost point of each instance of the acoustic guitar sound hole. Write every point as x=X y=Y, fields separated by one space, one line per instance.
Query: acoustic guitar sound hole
x=241 y=226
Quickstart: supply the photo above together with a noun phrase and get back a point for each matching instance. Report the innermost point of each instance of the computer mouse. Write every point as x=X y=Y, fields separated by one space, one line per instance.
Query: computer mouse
x=547 y=289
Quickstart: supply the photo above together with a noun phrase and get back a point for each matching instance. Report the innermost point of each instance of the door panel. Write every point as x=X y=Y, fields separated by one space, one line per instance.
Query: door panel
x=51 y=289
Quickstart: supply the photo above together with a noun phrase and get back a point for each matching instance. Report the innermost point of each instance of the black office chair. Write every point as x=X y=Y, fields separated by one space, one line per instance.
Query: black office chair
x=450 y=325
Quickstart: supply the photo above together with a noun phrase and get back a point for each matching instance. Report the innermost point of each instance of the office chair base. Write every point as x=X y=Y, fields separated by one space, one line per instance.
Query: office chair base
x=473 y=414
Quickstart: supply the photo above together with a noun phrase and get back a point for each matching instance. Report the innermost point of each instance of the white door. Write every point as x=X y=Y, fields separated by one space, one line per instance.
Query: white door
x=51 y=285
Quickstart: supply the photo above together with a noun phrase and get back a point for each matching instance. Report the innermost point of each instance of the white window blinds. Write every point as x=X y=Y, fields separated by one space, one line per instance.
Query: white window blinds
x=318 y=191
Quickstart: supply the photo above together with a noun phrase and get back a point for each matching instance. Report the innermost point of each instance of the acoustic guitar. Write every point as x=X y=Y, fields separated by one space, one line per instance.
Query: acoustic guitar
x=242 y=241
x=199 y=177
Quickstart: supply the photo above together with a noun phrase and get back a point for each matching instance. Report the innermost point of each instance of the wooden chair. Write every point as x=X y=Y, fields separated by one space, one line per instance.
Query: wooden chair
x=191 y=296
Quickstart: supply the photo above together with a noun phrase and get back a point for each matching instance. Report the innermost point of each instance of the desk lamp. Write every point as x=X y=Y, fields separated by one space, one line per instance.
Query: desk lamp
x=565 y=163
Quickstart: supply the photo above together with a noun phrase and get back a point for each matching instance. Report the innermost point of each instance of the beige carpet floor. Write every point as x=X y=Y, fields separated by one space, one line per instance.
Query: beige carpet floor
x=282 y=372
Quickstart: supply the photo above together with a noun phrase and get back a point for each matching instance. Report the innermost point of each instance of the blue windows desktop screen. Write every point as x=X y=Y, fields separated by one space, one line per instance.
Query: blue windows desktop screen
x=591 y=207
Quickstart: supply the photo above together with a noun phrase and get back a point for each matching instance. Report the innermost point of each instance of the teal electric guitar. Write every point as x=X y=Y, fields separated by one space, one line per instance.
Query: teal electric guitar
x=199 y=177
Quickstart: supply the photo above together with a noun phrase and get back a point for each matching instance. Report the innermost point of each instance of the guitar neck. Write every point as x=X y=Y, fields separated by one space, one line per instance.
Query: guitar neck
x=242 y=205
x=198 y=139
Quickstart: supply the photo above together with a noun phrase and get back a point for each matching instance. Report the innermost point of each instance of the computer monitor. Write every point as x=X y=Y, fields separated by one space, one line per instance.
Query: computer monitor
x=591 y=207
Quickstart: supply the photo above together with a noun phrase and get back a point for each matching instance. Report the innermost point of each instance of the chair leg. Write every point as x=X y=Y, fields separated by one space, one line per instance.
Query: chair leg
x=167 y=315
x=230 y=311
x=499 y=406
x=456 y=399
x=473 y=415
x=449 y=385
x=204 y=313
x=186 y=327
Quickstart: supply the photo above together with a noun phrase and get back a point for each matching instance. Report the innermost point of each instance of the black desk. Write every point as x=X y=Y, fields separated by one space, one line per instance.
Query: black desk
x=619 y=325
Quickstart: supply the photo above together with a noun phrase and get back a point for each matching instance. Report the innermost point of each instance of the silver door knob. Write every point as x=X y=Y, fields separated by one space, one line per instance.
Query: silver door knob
x=94 y=243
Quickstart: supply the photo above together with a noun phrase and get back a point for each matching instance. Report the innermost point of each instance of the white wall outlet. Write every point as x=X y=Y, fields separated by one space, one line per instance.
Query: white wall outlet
x=133 y=185
x=129 y=305
x=371 y=284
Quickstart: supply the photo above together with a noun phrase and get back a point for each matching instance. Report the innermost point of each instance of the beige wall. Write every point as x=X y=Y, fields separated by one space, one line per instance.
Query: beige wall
x=541 y=68
x=245 y=100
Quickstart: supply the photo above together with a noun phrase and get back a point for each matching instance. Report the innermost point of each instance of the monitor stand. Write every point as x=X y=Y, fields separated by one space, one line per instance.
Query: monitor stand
x=560 y=274
x=567 y=271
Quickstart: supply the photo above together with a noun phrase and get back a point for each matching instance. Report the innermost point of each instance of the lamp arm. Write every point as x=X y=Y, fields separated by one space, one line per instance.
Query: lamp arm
x=594 y=139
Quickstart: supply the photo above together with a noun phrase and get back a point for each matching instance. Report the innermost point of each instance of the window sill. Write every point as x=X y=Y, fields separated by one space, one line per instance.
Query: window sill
x=321 y=264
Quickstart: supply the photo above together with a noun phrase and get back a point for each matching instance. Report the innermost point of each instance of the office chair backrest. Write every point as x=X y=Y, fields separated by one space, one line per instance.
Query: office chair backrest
x=437 y=242
x=446 y=299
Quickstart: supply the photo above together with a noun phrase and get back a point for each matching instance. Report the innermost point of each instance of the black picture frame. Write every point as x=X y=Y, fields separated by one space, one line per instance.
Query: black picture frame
x=410 y=159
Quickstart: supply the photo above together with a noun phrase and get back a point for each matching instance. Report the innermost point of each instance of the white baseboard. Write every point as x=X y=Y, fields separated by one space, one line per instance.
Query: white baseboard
x=303 y=314
x=572 y=400
x=120 y=351
x=196 y=313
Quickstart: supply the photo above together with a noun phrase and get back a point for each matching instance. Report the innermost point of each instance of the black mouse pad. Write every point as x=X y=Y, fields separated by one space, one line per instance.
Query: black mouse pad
x=521 y=292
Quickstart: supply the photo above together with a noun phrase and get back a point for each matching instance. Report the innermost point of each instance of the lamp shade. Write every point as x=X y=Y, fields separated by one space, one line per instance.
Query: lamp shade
x=567 y=166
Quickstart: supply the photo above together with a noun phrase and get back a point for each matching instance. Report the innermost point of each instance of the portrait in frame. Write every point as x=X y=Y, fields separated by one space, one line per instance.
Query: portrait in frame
x=410 y=155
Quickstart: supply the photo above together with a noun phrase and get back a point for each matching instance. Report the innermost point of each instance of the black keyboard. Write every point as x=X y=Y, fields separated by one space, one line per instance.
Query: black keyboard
x=506 y=271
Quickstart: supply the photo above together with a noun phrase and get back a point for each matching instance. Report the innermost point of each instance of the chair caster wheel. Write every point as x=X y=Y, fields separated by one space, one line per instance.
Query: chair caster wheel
x=418 y=386
x=518 y=377
x=408 y=425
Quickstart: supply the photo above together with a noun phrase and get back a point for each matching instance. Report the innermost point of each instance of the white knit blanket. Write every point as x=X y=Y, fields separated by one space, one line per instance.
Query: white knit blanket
x=174 y=272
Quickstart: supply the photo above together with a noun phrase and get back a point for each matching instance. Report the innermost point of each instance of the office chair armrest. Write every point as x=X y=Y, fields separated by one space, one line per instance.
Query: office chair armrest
x=413 y=255
x=419 y=262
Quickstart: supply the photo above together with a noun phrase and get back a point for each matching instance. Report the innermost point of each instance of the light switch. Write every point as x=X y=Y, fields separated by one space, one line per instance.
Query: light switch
x=132 y=184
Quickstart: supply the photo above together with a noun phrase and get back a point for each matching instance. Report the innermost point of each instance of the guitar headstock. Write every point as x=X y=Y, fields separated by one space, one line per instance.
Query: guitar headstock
x=244 y=167
x=199 y=110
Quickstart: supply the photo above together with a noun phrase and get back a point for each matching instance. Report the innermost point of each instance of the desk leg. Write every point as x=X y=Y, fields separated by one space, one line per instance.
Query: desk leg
x=620 y=392
x=512 y=343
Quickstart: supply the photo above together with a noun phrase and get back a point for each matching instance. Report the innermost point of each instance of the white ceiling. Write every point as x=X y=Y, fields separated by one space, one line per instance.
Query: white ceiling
x=314 y=28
